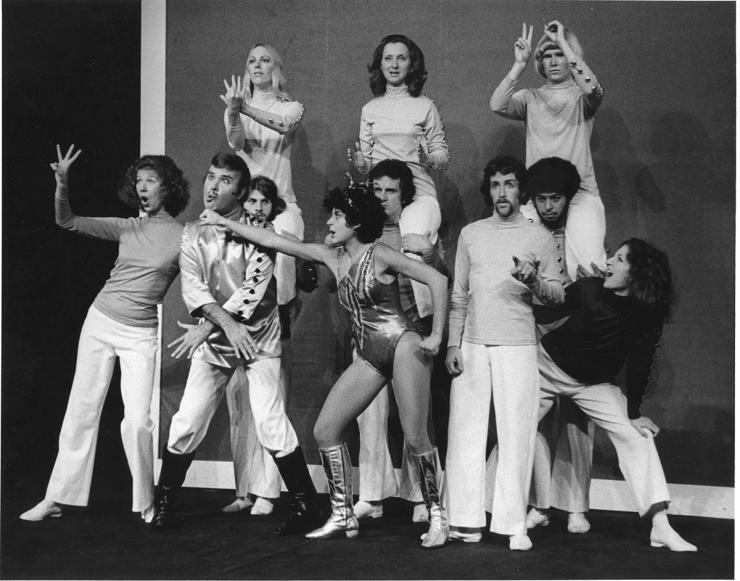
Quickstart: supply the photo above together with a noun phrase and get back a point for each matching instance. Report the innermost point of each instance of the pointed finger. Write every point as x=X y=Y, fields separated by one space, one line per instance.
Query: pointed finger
x=524 y=30
x=59 y=152
x=516 y=261
x=529 y=36
x=226 y=84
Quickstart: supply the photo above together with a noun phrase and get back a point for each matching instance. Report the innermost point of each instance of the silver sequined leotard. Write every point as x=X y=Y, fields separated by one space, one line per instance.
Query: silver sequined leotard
x=377 y=317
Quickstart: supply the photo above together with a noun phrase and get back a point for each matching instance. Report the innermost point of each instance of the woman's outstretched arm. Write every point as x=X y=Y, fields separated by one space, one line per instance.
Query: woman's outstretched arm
x=103 y=228
x=263 y=237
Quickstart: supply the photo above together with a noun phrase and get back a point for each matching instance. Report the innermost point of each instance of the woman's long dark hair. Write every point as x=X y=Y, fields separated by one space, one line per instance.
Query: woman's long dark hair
x=650 y=281
x=417 y=74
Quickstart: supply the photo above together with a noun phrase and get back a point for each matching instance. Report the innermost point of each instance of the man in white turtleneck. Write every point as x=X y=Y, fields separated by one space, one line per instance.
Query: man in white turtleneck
x=503 y=264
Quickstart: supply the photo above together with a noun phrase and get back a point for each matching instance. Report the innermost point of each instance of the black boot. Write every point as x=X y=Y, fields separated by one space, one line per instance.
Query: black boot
x=304 y=513
x=174 y=468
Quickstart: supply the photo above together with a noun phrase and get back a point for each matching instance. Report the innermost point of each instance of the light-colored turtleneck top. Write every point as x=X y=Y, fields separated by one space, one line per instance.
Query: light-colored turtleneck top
x=267 y=151
x=394 y=125
x=146 y=265
x=488 y=306
x=559 y=120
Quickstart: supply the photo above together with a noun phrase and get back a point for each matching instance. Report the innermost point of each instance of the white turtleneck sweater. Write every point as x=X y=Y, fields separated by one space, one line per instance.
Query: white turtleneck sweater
x=266 y=151
x=488 y=306
x=394 y=125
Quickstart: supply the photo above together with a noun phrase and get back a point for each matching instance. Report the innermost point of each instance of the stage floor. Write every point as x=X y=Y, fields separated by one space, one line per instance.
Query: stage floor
x=105 y=541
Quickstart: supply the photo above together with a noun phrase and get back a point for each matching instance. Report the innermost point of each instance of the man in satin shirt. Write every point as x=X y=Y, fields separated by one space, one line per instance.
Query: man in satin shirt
x=229 y=285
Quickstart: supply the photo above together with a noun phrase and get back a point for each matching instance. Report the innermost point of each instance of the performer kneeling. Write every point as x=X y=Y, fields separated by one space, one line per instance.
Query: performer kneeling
x=386 y=344
x=615 y=321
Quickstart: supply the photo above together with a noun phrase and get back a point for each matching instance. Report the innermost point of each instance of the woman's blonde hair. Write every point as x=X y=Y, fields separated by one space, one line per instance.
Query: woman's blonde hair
x=279 y=80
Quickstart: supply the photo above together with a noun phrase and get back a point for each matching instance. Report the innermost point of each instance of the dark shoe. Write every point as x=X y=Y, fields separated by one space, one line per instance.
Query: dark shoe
x=304 y=514
x=164 y=500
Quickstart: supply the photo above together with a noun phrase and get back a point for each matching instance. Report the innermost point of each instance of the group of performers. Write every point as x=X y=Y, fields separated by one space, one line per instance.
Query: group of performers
x=537 y=315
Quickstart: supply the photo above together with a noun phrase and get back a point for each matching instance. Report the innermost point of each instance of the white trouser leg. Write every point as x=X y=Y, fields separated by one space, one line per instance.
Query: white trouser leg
x=290 y=221
x=585 y=230
x=541 y=487
x=72 y=473
x=377 y=478
x=470 y=402
x=203 y=392
x=422 y=216
x=607 y=406
x=137 y=355
x=571 y=467
x=638 y=457
x=255 y=471
x=563 y=482
x=515 y=401
x=274 y=430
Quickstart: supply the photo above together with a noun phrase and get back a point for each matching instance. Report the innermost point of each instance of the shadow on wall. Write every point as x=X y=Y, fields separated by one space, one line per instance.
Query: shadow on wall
x=616 y=164
x=682 y=145
x=311 y=188
x=457 y=187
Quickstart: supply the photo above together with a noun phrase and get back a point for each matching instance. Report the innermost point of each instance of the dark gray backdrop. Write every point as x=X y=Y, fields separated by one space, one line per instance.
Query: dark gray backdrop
x=664 y=150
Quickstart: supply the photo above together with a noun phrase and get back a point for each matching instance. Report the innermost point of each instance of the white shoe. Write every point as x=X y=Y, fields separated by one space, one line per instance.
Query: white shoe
x=578 y=523
x=148 y=514
x=537 y=518
x=519 y=543
x=364 y=509
x=421 y=514
x=43 y=510
x=456 y=535
x=262 y=507
x=238 y=505
x=671 y=540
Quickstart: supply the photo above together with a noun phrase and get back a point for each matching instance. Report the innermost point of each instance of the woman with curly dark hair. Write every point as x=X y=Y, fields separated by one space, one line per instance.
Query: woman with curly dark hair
x=387 y=346
x=121 y=322
x=401 y=123
x=615 y=322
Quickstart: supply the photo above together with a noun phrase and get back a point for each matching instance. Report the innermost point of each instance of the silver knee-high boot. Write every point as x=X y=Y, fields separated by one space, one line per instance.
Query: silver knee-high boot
x=430 y=480
x=338 y=468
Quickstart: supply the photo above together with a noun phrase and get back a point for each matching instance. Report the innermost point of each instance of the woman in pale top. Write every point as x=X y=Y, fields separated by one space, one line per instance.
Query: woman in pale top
x=401 y=123
x=559 y=119
x=261 y=120
x=122 y=322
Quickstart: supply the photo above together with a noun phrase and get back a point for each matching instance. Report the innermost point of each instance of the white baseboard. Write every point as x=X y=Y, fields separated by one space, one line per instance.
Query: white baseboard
x=687 y=499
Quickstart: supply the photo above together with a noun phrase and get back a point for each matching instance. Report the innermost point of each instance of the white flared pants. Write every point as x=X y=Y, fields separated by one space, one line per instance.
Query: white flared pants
x=102 y=339
x=204 y=389
x=606 y=405
x=255 y=472
x=508 y=374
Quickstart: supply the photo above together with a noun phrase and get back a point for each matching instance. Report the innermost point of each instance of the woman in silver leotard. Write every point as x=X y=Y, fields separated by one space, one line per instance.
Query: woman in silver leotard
x=387 y=344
